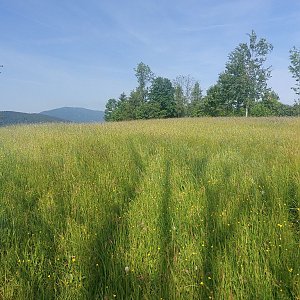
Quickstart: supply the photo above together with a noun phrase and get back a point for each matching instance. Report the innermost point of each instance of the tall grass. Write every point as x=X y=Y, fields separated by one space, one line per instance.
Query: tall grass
x=168 y=209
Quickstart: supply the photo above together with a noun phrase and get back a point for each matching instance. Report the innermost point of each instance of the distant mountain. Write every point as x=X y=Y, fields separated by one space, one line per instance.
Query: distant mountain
x=76 y=114
x=12 y=117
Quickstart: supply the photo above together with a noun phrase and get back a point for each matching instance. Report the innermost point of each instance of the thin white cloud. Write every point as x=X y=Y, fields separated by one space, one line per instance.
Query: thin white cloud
x=60 y=40
x=206 y=27
x=72 y=50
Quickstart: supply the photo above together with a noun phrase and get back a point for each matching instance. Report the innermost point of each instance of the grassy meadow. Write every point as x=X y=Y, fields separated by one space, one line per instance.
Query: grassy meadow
x=166 y=209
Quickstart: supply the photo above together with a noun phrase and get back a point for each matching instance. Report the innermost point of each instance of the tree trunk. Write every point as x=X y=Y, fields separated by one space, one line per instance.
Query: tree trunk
x=246 y=111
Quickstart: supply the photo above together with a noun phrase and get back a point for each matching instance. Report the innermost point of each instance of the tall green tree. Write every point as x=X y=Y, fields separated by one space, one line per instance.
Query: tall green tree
x=221 y=99
x=214 y=103
x=161 y=99
x=137 y=107
x=122 y=98
x=294 y=68
x=269 y=106
x=144 y=76
x=245 y=77
x=296 y=109
x=123 y=111
x=117 y=110
x=110 y=108
x=196 y=103
x=180 y=103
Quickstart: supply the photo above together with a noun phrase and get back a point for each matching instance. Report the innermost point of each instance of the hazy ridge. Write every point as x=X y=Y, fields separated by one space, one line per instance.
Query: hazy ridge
x=63 y=114
x=76 y=114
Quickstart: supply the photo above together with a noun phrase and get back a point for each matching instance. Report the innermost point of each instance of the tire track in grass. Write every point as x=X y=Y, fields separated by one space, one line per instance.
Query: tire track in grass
x=218 y=236
x=144 y=218
x=218 y=239
x=109 y=278
x=167 y=253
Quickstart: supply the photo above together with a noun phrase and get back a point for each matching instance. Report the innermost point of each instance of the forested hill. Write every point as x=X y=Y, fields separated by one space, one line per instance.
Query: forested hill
x=76 y=114
x=12 y=117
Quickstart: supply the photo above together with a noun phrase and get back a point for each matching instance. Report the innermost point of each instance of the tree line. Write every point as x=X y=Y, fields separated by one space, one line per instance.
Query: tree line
x=241 y=90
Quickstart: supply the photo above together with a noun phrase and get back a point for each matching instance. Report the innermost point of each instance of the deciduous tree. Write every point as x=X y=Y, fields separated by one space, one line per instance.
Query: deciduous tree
x=110 y=107
x=294 y=68
x=245 y=77
x=144 y=76
x=161 y=99
x=196 y=104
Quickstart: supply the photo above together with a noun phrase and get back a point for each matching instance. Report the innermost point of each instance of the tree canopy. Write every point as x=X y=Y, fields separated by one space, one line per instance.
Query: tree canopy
x=241 y=89
x=294 y=68
x=244 y=81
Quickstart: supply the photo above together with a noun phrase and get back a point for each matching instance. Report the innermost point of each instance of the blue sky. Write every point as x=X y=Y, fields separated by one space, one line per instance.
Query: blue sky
x=81 y=53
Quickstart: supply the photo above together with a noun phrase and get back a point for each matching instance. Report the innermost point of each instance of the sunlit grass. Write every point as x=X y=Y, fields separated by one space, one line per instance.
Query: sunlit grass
x=165 y=209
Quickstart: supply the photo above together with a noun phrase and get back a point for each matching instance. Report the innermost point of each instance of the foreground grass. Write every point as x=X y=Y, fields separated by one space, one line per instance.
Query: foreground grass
x=174 y=209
